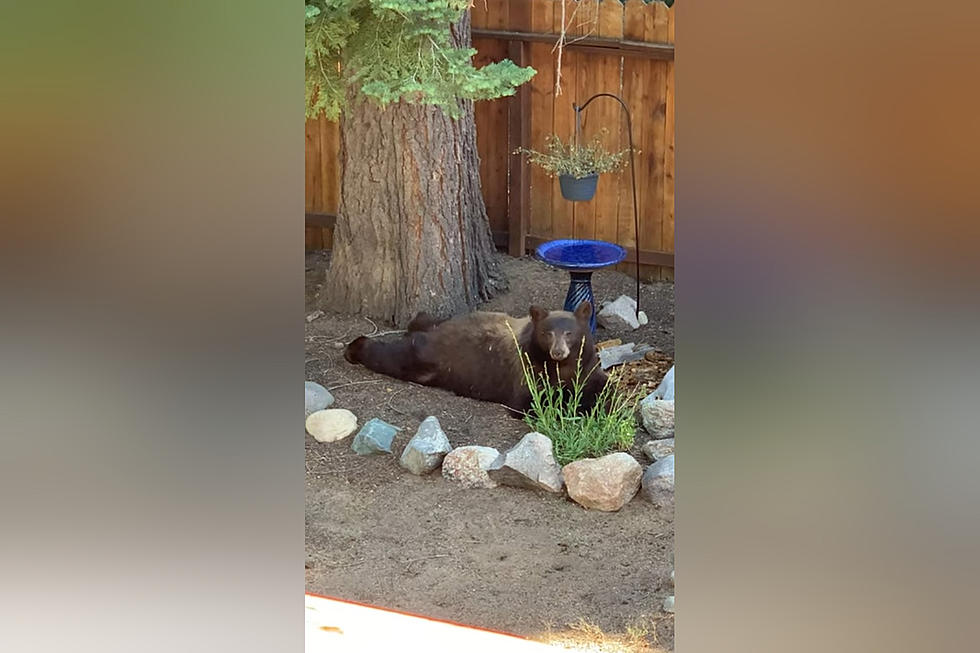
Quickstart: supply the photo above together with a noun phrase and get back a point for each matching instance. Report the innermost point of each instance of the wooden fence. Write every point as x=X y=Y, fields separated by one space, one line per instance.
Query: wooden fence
x=612 y=47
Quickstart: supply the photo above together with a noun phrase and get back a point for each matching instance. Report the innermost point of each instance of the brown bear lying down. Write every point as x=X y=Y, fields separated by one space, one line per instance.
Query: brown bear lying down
x=474 y=355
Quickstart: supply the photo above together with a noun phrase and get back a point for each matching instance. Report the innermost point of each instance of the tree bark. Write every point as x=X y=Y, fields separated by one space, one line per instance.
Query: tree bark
x=412 y=232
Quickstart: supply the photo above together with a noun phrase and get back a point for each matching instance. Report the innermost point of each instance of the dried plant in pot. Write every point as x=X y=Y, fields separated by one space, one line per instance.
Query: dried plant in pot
x=578 y=166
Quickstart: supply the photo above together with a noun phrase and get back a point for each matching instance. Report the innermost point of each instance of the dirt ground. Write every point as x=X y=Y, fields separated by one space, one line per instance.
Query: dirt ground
x=506 y=559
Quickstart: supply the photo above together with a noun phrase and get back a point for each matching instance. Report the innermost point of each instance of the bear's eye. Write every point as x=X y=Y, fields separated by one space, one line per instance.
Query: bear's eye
x=568 y=333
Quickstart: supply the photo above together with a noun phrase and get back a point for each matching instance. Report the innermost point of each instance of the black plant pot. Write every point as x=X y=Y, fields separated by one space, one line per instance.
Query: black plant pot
x=578 y=190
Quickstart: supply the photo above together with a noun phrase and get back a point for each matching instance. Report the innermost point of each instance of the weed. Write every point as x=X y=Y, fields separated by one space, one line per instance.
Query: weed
x=556 y=411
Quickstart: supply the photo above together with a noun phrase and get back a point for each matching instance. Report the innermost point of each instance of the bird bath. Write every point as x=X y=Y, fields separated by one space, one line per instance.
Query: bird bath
x=580 y=258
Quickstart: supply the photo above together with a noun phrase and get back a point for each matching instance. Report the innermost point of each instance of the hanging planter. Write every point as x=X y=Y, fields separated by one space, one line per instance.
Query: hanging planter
x=578 y=190
x=578 y=166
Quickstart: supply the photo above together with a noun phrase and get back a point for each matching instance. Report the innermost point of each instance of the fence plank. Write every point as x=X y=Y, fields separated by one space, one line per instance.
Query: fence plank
x=637 y=16
x=587 y=18
x=668 y=203
x=562 y=216
x=643 y=87
x=479 y=13
x=632 y=80
x=661 y=23
x=609 y=198
x=542 y=116
x=518 y=135
x=583 y=213
x=499 y=13
x=611 y=16
x=492 y=117
x=657 y=137
x=655 y=108
x=491 y=138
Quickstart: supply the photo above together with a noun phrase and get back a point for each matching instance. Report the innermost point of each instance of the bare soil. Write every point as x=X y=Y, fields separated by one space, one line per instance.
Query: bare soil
x=506 y=559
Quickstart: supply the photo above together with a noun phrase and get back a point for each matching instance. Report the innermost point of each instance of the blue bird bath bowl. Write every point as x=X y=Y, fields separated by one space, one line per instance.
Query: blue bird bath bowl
x=581 y=258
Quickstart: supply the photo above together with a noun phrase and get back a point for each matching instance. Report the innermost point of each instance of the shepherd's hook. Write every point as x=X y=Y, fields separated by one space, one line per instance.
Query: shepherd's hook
x=636 y=211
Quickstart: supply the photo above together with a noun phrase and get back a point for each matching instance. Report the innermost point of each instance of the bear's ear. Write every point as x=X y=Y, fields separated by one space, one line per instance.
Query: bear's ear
x=537 y=313
x=584 y=311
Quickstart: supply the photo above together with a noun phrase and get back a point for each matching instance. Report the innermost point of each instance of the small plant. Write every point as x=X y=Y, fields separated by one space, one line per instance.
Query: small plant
x=608 y=426
x=578 y=161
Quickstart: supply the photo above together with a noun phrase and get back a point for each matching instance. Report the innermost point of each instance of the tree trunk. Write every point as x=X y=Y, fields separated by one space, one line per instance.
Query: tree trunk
x=412 y=231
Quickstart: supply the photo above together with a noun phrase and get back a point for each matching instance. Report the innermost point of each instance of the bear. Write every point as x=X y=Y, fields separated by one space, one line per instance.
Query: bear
x=474 y=355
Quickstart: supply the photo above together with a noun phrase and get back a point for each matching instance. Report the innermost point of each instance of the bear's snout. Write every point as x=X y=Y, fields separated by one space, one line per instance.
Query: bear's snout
x=559 y=352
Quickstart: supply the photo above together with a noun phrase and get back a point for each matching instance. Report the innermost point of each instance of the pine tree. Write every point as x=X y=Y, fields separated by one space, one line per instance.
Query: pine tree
x=412 y=232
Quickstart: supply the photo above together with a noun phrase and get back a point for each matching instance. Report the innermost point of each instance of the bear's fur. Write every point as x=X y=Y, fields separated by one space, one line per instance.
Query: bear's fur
x=474 y=355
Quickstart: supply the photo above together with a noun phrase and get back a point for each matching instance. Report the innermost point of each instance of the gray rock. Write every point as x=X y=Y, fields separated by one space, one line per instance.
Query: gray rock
x=666 y=388
x=317 y=398
x=619 y=314
x=657 y=485
x=425 y=451
x=668 y=605
x=658 y=416
x=606 y=483
x=468 y=466
x=642 y=319
x=374 y=438
x=657 y=449
x=620 y=354
x=530 y=463
x=314 y=316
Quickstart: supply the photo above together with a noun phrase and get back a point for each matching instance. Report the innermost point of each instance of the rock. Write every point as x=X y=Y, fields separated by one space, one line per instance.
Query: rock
x=620 y=354
x=657 y=485
x=530 y=463
x=331 y=425
x=619 y=314
x=666 y=388
x=317 y=398
x=313 y=316
x=615 y=342
x=374 y=438
x=606 y=483
x=669 y=604
x=657 y=449
x=425 y=451
x=671 y=577
x=468 y=466
x=642 y=319
x=658 y=416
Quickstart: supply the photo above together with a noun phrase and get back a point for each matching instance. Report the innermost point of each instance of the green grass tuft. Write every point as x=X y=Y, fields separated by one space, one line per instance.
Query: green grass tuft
x=609 y=426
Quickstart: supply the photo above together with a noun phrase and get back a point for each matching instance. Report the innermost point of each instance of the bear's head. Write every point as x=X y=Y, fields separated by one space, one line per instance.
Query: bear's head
x=560 y=333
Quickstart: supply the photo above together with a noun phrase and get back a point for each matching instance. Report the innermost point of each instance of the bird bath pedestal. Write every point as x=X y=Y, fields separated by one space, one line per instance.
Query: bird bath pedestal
x=581 y=258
